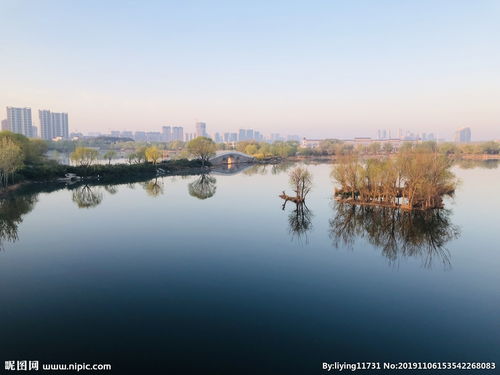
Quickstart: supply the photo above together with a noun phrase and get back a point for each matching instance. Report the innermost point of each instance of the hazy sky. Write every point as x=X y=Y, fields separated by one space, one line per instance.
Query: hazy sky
x=315 y=68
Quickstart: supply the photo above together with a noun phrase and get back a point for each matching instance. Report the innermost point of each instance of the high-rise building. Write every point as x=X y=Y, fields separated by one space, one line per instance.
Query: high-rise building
x=127 y=134
x=201 y=129
x=34 y=132
x=5 y=125
x=166 y=133
x=140 y=136
x=217 y=138
x=19 y=120
x=463 y=135
x=258 y=136
x=382 y=134
x=177 y=133
x=153 y=136
x=242 y=135
x=53 y=124
x=276 y=137
x=250 y=134
x=230 y=137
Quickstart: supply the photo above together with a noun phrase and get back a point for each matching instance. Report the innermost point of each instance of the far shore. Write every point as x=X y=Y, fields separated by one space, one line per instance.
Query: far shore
x=118 y=173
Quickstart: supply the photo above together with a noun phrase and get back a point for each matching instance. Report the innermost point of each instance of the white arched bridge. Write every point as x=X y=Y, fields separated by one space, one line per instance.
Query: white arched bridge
x=231 y=157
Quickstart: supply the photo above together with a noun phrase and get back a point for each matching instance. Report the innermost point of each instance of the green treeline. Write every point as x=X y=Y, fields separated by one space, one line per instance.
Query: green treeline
x=327 y=147
x=24 y=159
x=411 y=180
x=18 y=153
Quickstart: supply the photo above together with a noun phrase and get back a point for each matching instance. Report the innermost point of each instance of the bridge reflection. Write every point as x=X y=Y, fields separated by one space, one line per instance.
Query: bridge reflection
x=230 y=169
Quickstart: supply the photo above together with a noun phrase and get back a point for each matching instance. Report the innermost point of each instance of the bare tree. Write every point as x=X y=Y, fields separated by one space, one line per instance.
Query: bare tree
x=301 y=182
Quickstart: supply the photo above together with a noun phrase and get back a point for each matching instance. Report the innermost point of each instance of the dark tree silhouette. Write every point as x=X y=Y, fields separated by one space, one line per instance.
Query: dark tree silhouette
x=12 y=210
x=203 y=187
x=86 y=197
x=398 y=233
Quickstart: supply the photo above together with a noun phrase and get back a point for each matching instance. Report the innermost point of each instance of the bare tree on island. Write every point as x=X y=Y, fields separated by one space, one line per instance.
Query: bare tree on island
x=301 y=183
x=299 y=220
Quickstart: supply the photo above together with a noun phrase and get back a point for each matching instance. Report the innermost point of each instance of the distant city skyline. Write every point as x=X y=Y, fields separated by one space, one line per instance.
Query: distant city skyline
x=318 y=69
x=55 y=125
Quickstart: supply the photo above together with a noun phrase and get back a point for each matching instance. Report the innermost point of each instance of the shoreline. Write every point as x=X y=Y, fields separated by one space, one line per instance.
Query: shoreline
x=142 y=172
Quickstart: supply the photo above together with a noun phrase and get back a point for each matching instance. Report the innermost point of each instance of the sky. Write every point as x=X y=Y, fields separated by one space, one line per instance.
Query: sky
x=336 y=69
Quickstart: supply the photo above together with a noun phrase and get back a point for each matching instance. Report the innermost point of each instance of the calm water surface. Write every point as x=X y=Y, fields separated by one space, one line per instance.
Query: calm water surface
x=209 y=274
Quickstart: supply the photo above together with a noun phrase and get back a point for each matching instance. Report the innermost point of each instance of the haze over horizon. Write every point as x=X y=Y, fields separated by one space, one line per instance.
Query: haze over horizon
x=318 y=69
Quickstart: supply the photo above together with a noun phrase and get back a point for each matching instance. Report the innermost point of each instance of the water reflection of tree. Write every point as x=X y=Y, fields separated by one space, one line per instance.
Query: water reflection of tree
x=111 y=189
x=281 y=167
x=398 y=233
x=473 y=163
x=299 y=222
x=87 y=197
x=11 y=211
x=256 y=169
x=154 y=188
x=203 y=187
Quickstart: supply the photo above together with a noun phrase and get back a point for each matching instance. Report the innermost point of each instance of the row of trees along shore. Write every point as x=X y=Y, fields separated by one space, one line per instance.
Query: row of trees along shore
x=134 y=150
x=201 y=148
x=411 y=180
x=18 y=152
x=23 y=159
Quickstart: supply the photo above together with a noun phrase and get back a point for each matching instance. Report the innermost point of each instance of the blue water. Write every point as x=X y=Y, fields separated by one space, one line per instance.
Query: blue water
x=156 y=280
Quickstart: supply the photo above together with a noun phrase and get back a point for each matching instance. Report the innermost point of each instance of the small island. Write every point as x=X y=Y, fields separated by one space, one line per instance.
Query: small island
x=411 y=180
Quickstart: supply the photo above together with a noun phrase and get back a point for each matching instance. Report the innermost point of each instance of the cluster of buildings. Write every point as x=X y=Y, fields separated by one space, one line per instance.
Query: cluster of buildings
x=362 y=141
x=168 y=134
x=53 y=125
x=462 y=135
x=385 y=134
x=176 y=133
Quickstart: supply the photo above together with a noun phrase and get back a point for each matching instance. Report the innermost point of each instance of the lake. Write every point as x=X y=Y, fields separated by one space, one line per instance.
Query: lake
x=210 y=274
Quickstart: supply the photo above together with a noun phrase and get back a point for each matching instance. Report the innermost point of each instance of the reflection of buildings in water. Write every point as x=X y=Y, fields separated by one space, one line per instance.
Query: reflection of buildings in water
x=398 y=233
x=87 y=197
x=203 y=187
x=11 y=211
